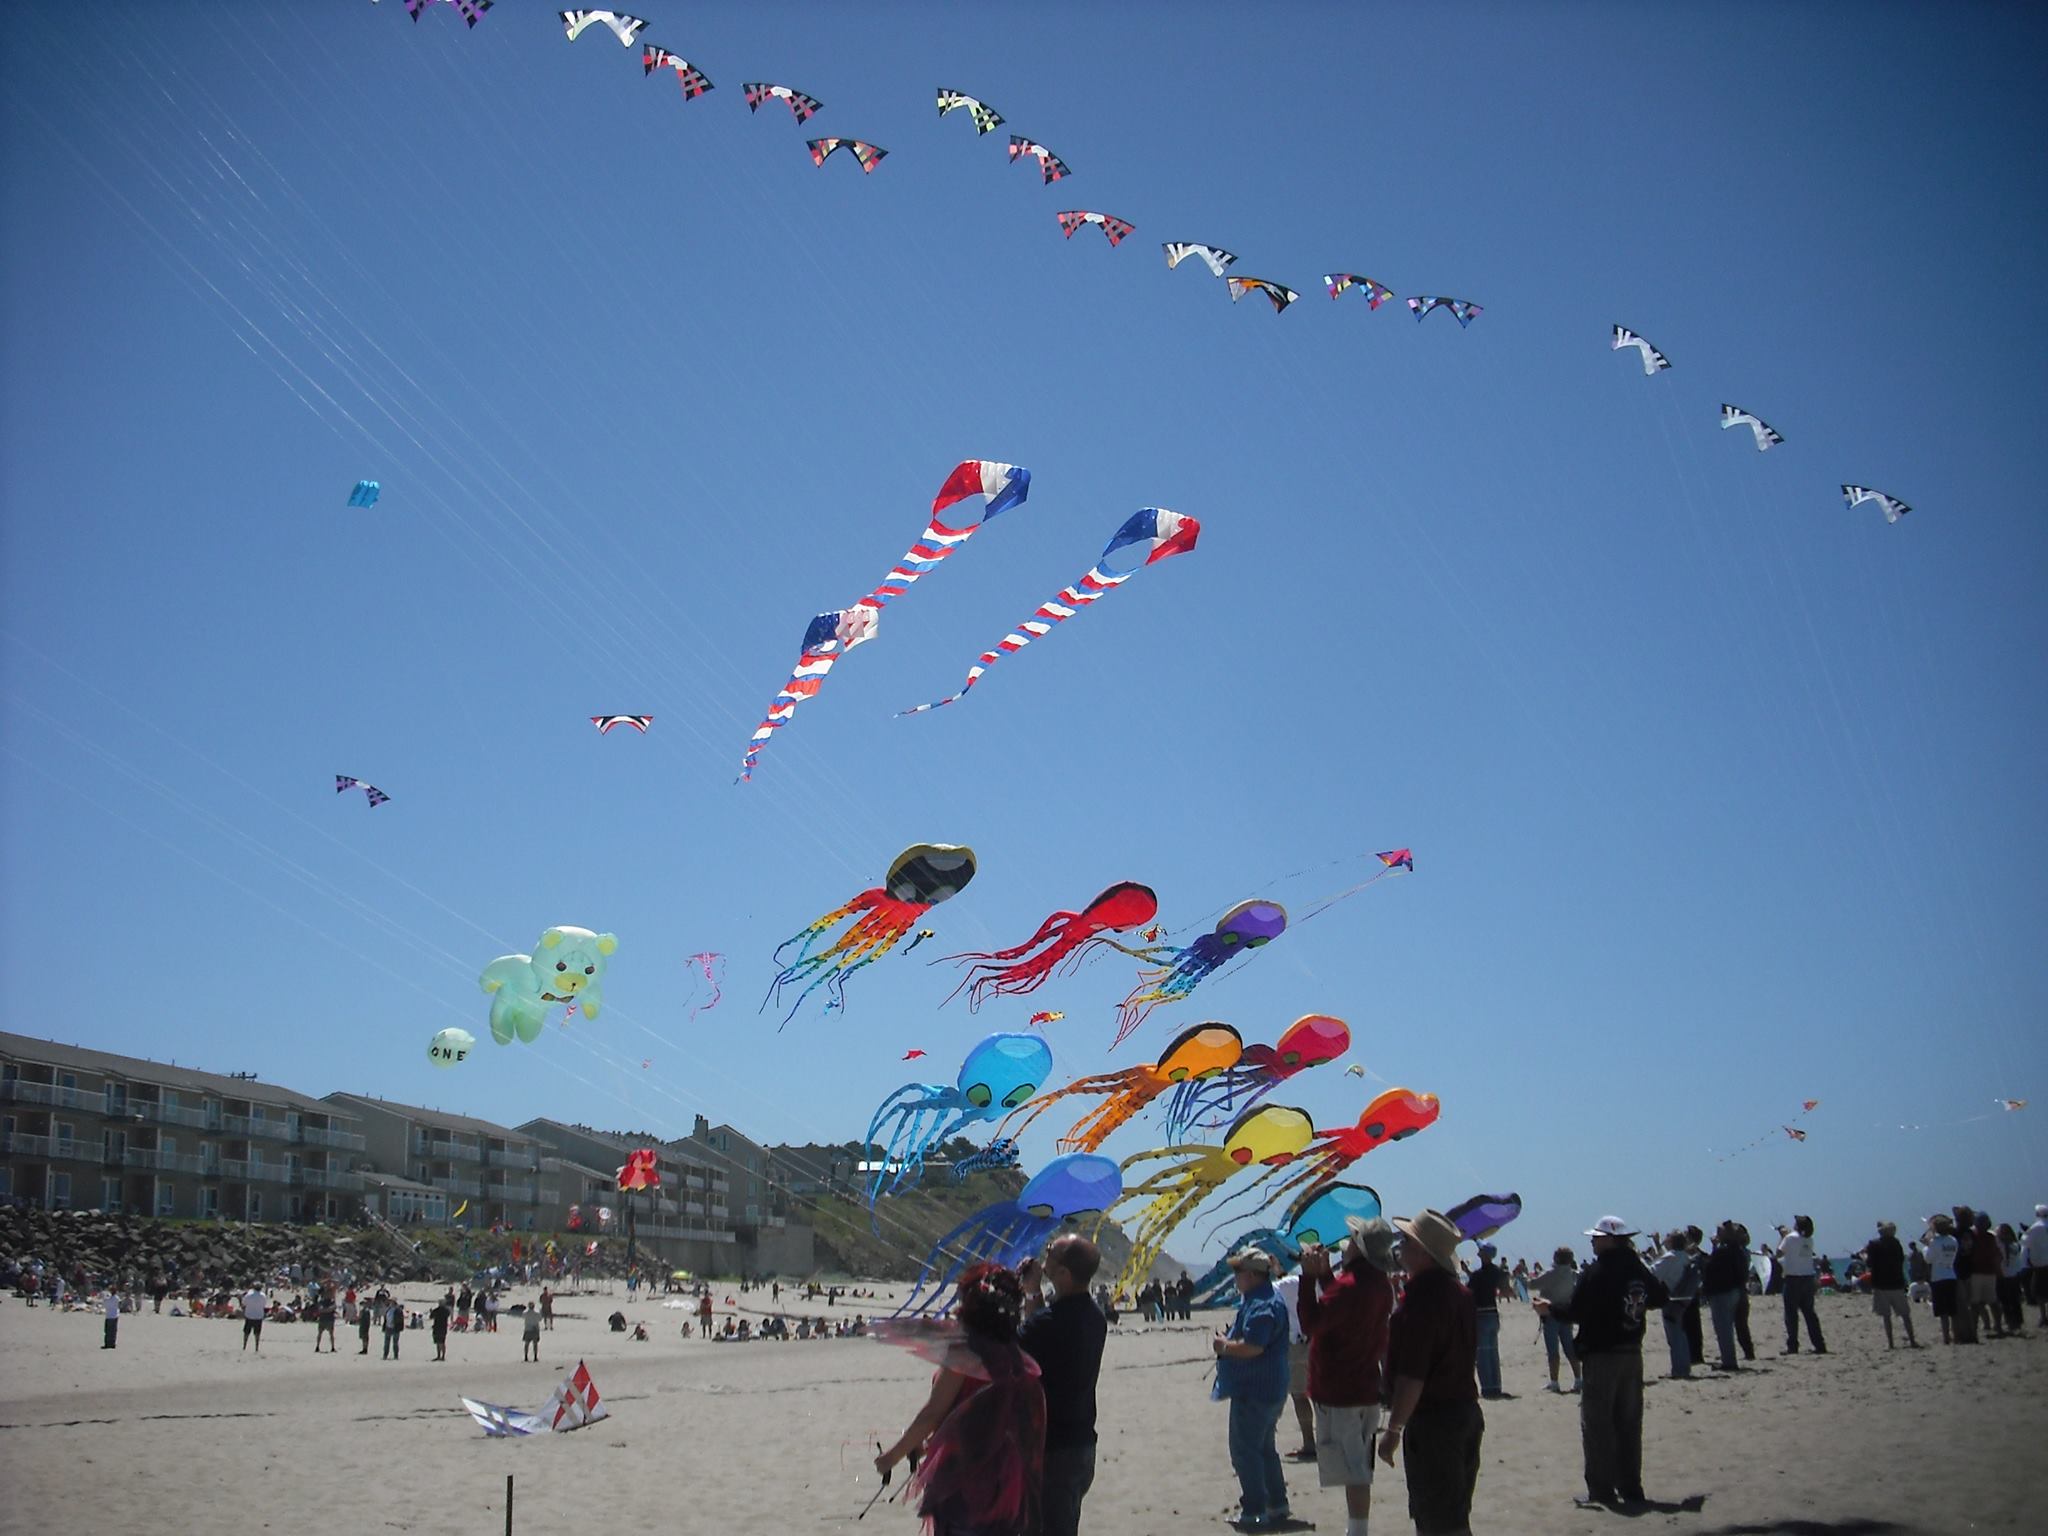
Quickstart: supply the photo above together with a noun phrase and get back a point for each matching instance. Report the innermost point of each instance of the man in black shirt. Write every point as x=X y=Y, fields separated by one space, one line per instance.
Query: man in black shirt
x=1885 y=1262
x=1486 y=1283
x=1066 y=1340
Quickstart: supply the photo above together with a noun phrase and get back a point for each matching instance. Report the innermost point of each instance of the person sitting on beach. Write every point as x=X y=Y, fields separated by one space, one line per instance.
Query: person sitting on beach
x=982 y=1429
x=617 y=1322
x=860 y=1326
x=639 y=1337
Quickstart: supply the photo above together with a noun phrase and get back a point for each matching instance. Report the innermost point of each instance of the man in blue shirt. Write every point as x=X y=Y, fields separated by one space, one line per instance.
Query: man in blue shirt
x=1251 y=1372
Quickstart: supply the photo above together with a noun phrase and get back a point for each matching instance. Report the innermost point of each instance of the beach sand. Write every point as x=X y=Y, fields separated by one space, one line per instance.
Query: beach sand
x=179 y=1431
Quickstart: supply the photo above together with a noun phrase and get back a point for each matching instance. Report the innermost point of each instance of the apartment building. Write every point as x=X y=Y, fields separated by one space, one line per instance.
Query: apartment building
x=492 y=1170
x=83 y=1129
x=774 y=1237
x=688 y=1224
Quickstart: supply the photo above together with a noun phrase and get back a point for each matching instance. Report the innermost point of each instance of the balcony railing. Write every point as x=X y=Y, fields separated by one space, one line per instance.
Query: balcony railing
x=314 y=1136
x=166 y=1162
x=16 y=1091
x=170 y=1114
x=255 y=1125
x=21 y=1144
x=325 y=1178
x=254 y=1172
x=446 y=1148
x=691 y=1181
x=467 y=1187
x=503 y=1159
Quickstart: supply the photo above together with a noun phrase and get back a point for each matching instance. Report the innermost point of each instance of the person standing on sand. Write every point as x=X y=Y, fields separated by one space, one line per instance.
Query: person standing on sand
x=1066 y=1340
x=1939 y=1243
x=1795 y=1254
x=365 y=1311
x=112 y=1306
x=2035 y=1248
x=1288 y=1289
x=1433 y=1416
x=547 y=1309
x=1486 y=1285
x=442 y=1314
x=1345 y=1311
x=394 y=1327
x=255 y=1305
x=1723 y=1279
x=323 y=1320
x=1884 y=1261
x=1615 y=1295
x=1987 y=1263
x=529 y=1334
x=1251 y=1375
x=1555 y=1286
x=704 y=1316
x=1674 y=1270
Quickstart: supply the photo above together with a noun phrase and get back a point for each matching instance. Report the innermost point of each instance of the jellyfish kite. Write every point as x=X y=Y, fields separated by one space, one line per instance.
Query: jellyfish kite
x=1483 y=1215
x=1011 y=1231
x=1268 y=1137
x=1061 y=939
x=922 y=876
x=1195 y=1054
x=1245 y=927
x=999 y=1074
x=712 y=964
x=1309 y=1041
x=1323 y=1223
x=1000 y=1153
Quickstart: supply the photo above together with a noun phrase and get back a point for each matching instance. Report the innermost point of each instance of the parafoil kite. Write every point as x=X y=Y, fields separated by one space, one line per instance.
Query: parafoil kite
x=1155 y=533
x=832 y=635
x=1048 y=162
x=1483 y=1215
x=1000 y=1153
x=1011 y=1231
x=642 y=1170
x=1464 y=311
x=985 y=116
x=1194 y=1055
x=1376 y=294
x=1268 y=1137
x=1767 y=436
x=1280 y=295
x=605 y=723
x=922 y=876
x=625 y=28
x=450 y=1048
x=472 y=11
x=692 y=79
x=1323 y=1223
x=365 y=494
x=1654 y=362
x=869 y=155
x=1063 y=938
x=999 y=1074
x=1214 y=257
x=712 y=964
x=567 y=967
x=1309 y=1041
x=343 y=784
x=1894 y=509
x=801 y=106
x=1245 y=927
x=1112 y=227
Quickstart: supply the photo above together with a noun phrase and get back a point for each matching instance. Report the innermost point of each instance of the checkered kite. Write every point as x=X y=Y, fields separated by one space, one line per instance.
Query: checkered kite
x=1112 y=227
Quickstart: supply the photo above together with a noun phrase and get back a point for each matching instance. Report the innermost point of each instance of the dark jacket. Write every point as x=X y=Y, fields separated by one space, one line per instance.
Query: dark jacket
x=1727 y=1269
x=1615 y=1293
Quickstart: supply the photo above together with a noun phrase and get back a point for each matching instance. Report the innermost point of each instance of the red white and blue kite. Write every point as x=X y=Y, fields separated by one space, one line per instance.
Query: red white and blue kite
x=832 y=635
x=1156 y=532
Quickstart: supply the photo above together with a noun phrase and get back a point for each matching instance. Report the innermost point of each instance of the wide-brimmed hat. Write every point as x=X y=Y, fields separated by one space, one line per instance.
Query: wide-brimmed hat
x=1373 y=1239
x=1438 y=1235
x=1252 y=1258
x=1610 y=1226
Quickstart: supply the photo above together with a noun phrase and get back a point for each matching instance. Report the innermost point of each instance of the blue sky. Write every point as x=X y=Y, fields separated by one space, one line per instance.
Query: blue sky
x=1722 y=796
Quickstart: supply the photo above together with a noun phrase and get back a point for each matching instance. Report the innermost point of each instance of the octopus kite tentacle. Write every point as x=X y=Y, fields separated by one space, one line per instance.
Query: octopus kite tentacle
x=1062 y=938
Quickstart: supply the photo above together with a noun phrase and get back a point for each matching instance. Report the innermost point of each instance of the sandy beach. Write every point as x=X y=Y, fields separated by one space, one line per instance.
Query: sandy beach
x=179 y=1430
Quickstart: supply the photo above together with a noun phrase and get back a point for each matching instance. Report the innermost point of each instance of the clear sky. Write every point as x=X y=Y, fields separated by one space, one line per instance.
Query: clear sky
x=1722 y=796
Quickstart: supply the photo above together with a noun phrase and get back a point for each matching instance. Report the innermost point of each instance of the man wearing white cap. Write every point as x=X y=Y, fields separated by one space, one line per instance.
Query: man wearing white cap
x=1614 y=1295
x=1251 y=1373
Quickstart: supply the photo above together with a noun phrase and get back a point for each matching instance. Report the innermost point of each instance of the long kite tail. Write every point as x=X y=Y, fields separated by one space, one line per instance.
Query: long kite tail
x=1070 y=601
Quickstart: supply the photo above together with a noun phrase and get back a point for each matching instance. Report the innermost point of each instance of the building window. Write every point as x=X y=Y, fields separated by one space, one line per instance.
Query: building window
x=209 y=1204
x=166 y=1198
x=59 y=1198
x=255 y=1205
x=61 y=1133
x=110 y=1193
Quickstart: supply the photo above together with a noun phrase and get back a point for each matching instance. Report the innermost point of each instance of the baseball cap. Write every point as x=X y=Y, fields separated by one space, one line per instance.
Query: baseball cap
x=1610 y=1226
x=1252 y=1258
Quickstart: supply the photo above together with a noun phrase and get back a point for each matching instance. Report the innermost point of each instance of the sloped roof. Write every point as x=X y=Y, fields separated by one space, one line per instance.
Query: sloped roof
x=432 y=1117
x=79 y=1058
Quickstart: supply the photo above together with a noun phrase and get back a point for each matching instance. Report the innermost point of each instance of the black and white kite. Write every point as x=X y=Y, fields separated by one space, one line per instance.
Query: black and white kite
x=1214 y=257
x=625 y=28
x=1654 y=362
x=803 y=107
x=343 y=784
x=1894 y=509
x=604 y=723
x=1767 y=436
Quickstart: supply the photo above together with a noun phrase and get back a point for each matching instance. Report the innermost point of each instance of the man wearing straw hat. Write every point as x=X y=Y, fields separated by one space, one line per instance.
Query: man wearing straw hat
x=1433 y=1357
x=1614 y=1295
x=1344 y=1312
x=1251 y=1372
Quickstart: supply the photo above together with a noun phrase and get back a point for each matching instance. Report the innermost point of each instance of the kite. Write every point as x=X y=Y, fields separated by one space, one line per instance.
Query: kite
x=1653 y=360
x=1048 y=162
x=922 y=935
x=343 y=784
x=472 y=10
x=869 y=155
x=1483 y=1215
x=1354 y=1070
x=1246 y=926
x=642 y=1170
x=1464 y=311
x=1795 y=1134
x=1322 y=1224
x=1281 y=296
x=1214 y=257
x=1065 y=937
x=1806 y=1107
x=1268 y=1137
x=1194 y=1055
x=625 y=28
x=1309 y=1041
x=1894 y=509
x=832 y=635
x=712 y=964
x=1766 y=435
x=692 y=79
x=2009 y=1105
x=912 y=1055
x=922 y=876
x=1112 y=227
x=1395 y=1115
x=1039 y=1020
x=985 y=116
x=1013 y=1230
x=1000 y=1153
x=604 y=723
x=1153 y=934
x=999 y=1074
x=574 y=1404
x=568 y=968
x=365 y=494
x=450 y=1048
x=802 y=107
x=1376 y=294
x=1160 y=534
